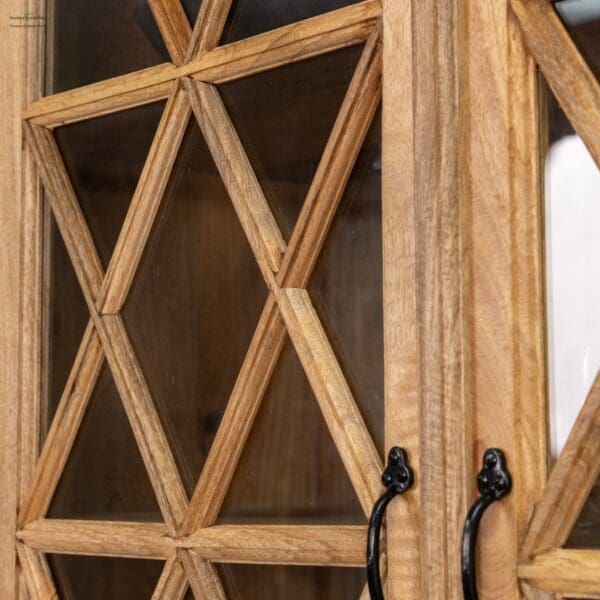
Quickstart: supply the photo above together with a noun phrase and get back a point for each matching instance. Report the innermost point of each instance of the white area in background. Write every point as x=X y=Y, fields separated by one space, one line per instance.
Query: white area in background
x=573 y=280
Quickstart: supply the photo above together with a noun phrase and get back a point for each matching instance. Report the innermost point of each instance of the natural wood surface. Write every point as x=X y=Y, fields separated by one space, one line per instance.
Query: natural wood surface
x=573 y=476
x=174 y=27
x=36 y=573
x=208 y=27
x=173 y=583
x=569 y=76
x=570 y=573
x=203 y=577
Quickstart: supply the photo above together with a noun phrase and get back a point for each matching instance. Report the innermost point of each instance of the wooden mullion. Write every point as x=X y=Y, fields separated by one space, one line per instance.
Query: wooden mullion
x=238 y=176
x=174 y=27
x=145 y=203
x=565 y=69
x=203 y=577
x=235 y=426
x=64 y=428
x=345 y=422
x=173 y=583
x=341 y=151
x=36 y=571
x=144 y=420
x=570 y=482
x=208 y=27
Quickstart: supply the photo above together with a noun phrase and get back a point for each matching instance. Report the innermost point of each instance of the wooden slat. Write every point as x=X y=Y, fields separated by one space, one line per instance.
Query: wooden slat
x=203 y=577
x=145 y=203
x=144 y=420
x=237 y=420
x=64 y=428
x=566 y=572
x=334 y=169
x=37 y=574
x=173 y=583
x=568 y=74
x=571 y=480
x=343 y=418
x=66 y=209
x=174 y=27
x=337 y=29
x=238 y=176
x=326 y=545
x=401 y=346
x=99 y=538
x=208 y=27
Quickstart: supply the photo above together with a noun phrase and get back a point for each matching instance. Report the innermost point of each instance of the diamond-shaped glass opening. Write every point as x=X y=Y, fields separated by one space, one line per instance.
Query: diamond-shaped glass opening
x=104 y=477
x=194 y=305
x=66 y=319
x=290 y=470
x=347 y=284
x=251 y=17
x=273 y=582
x=90 y=41
x=104 y=158
x=191 y=9
x=284 y=118
x=581 y=18
x=104 y=578
x=586 y=532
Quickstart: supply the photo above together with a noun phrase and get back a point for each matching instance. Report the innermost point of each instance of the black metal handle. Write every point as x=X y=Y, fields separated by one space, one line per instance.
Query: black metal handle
x=493 y=482
x=397 y=478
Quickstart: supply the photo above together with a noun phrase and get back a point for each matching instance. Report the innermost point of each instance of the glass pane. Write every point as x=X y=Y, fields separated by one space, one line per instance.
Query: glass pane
x=104 y=158
x=67 y=318
x=195 y=304
x=582 y=20
x=290 y=470
x=101 y=578
x=91 y=41
x=586 y=533
x=250 y=17
x=191 y=8
x=573 y=272
x=347 y=284
x=284 y=136
x=104 y=477
x=269 y=582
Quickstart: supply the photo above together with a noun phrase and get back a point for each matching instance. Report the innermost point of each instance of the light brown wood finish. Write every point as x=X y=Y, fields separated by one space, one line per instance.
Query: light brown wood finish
x=145 y=203
x=570 y=573
x=36 y=573
x=203 y=577
x=174 y=27
x=173 y=583
x=208 y=27
x=569 y=76
x=64 y=428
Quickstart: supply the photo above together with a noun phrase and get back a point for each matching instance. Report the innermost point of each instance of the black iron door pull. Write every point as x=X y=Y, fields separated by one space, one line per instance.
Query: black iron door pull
x=494 y=482
x=397 y=478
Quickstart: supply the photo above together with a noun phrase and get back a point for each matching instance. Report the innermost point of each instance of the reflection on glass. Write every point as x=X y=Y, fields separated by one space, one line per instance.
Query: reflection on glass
x=67 y=318
x=104 y=158
x=267 y=582
x=250 y=17
x=573 y=272
x=102 y=578
x=290 y=470
x=194 y=305
x=105 y=477
x=91 y=41
x=582 y=20
x=284 y=118
x=347 y=284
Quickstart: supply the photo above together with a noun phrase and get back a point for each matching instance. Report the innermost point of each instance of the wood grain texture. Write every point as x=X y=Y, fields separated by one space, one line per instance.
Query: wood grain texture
x=401 y=347
x=573 y=476
x=569 y=76
x=238 y=176
x=145 y=203
x=570 y=573
x=64 y=428
x=99 y=538
x=335 y=166
x=36 y=574
x=237 y=421
x=208 y=27
x=173 y=583
x=343 y=418
x=325 y=545
x=203 y=577
x=174 y=27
